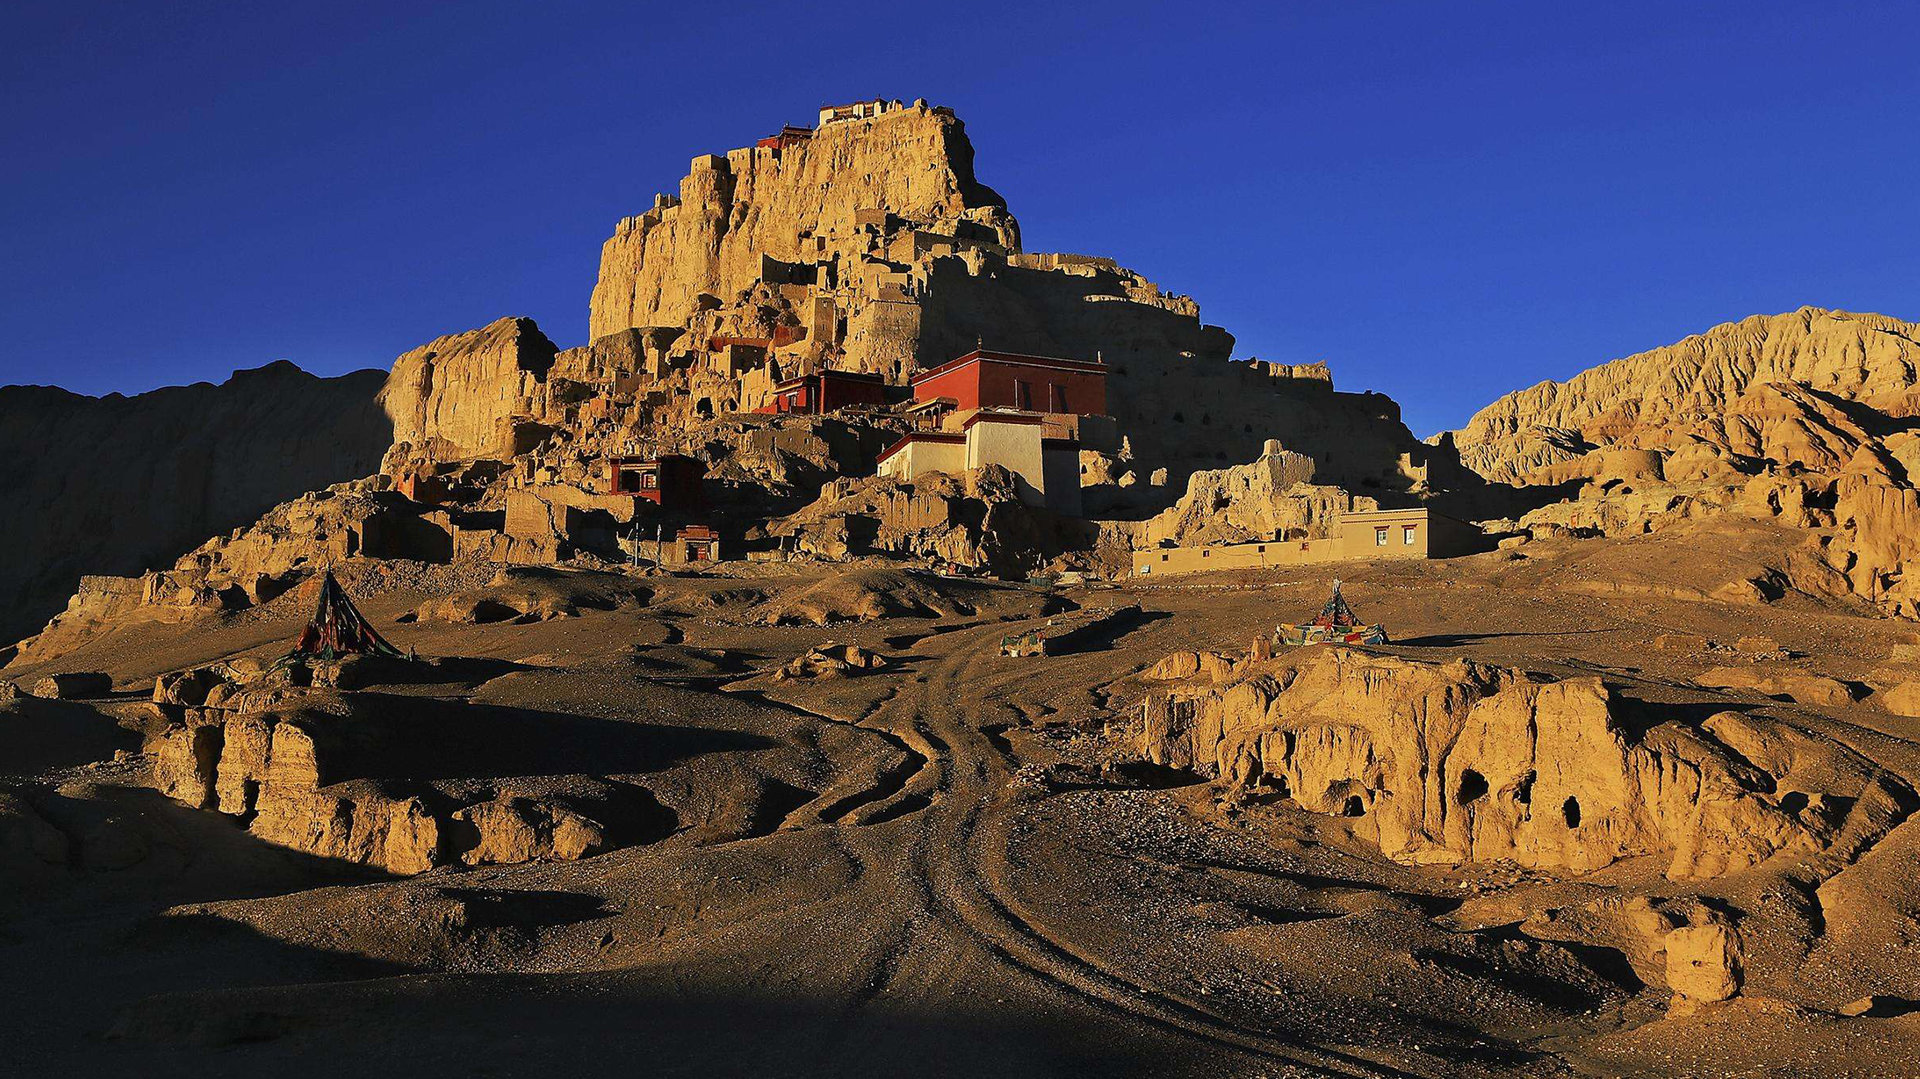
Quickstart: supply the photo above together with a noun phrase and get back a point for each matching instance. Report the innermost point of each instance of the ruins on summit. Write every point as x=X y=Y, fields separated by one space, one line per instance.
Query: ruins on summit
x=867 y=644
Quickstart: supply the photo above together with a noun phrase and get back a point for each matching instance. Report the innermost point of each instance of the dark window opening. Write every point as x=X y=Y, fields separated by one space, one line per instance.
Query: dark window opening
x=1354 y=807
x=1056 y=397
x=1022 y=395
x=1571 y=810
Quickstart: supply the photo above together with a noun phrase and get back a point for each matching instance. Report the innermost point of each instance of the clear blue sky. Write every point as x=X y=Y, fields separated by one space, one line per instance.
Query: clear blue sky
x=1445 y=201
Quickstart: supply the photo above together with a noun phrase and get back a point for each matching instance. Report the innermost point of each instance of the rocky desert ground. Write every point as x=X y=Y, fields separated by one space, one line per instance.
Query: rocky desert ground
x=821 y=764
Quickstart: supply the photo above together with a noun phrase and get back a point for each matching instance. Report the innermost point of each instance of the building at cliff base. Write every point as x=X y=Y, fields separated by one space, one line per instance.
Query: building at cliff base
x=1022 y=413
x=1367 y=534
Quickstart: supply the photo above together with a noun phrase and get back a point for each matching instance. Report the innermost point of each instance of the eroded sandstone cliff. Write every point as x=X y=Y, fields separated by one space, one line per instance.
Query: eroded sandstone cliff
x=1458 y=762
x=116 y=484
x=1806 y=420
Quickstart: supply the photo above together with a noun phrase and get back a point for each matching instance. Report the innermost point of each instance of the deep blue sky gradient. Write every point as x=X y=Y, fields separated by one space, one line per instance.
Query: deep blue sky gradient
x=1445 y=201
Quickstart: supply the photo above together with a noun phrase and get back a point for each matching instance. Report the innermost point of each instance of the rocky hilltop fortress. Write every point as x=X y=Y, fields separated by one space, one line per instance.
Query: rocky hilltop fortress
x=830 y=344
x=802 y=312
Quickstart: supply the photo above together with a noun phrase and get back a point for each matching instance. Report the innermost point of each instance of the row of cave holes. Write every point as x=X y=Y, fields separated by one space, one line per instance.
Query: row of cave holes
x=1473 y=787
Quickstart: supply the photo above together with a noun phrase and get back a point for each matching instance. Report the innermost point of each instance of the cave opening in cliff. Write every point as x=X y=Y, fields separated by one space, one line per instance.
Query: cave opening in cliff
x=1473 y=786
x=1571 y=810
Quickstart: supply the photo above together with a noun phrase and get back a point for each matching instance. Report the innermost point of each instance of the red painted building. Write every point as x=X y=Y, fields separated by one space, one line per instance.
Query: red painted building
x=671 y=482
x=788 y=136
x=983 y=379
x=826 y=391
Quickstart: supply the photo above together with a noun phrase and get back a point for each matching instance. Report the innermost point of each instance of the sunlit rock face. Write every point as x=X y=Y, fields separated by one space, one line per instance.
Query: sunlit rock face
x=1801 y=419
x=1461 y=762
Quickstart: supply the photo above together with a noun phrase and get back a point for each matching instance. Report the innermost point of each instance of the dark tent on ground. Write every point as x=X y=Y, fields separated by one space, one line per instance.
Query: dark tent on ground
x=338 y=629
x=1335 y=622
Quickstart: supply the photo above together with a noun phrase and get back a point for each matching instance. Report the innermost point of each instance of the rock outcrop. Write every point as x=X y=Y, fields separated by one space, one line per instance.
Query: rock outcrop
x=1271 y=497
x=976 y=521
x=1801 y=419
x=118 y=485
x=460 y=396
x=331 y=775
x=1663 y=398
x=1463 y=762
x=793 y=203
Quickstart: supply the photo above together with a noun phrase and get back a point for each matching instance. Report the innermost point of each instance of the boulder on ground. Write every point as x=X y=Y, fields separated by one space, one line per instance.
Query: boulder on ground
x=831 y=661
x=1798 y=686
x=1901 y=700
x=1681 y=642
x=1178 y=666
x=1703 y=966
x=189 y=688
x=74 y=684
x=510 y=830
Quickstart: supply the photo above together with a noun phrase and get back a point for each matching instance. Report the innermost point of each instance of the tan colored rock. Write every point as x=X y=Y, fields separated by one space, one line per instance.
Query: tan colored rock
x=1462 y=762
x=1866 y=358
x=177 y=464
x=74 y=684
x=1272 y=497
x=521 y=830
x=1769 y=418
x=831 y=661
x=1799 y=686
x=1179 y=666
x=186 y=760
x=1755 y=646
x=1704 y=965
x=188 y=688
x=1902 y=699
x=1681 y=642
x=456 y=397
x=797 y=204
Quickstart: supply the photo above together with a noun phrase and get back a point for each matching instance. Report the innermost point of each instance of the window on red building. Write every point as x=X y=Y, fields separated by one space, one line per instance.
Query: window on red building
x=1022 y=394
x=1056 y=397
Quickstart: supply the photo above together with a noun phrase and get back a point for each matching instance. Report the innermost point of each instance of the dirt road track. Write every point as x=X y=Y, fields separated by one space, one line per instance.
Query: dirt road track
x=959 y=851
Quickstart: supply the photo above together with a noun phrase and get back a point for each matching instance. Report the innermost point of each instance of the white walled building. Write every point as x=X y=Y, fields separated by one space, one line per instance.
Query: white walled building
x=1047 y=469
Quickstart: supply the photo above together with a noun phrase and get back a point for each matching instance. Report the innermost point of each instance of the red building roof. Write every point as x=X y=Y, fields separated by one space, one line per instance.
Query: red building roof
x=1051 y=363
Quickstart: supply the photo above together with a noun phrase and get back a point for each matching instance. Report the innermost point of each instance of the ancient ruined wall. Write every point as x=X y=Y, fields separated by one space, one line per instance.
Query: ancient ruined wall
x=117 y=485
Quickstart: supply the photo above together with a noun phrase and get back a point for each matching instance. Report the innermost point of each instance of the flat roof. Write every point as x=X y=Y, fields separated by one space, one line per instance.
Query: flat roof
x=919 y=436
x=995 y=416
x=665 y=458
x=1052 y=363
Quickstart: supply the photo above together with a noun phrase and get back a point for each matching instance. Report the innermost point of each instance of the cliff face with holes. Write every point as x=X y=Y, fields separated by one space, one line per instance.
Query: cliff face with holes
x=1462 y=762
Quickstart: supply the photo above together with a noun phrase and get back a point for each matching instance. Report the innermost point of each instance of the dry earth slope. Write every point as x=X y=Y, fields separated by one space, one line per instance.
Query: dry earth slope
x=119 y=484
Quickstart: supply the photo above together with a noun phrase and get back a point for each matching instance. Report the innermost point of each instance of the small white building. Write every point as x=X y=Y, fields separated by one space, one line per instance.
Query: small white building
x=1046 y=469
